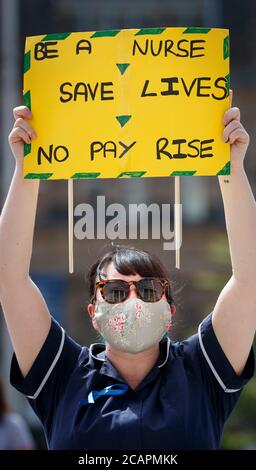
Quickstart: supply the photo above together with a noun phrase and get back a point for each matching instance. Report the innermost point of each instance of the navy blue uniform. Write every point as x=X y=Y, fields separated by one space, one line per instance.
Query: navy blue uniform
x=182 y=403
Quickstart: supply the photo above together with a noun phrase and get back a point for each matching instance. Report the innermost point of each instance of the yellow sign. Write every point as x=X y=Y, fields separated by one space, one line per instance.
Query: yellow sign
x=127 y=103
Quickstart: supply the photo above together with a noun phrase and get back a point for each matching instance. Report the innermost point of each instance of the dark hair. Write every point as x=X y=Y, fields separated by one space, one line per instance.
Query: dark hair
x=129 y=260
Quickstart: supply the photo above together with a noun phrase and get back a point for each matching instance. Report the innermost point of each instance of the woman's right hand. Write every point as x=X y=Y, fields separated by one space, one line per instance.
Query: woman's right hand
x=21 y=132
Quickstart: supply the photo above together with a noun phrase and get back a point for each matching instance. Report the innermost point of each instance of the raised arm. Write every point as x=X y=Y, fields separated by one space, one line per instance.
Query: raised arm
x=234 y=316
x=26 y=313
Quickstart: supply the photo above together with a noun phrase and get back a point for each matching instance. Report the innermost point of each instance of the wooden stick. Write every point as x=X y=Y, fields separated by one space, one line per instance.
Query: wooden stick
x=70 y=227
x=177 y=222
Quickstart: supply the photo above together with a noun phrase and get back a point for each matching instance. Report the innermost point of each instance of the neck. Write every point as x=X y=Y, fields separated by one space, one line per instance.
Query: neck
x=133 y=367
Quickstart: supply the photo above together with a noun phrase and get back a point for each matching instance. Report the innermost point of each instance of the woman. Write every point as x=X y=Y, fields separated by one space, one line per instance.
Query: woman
x=142 y=391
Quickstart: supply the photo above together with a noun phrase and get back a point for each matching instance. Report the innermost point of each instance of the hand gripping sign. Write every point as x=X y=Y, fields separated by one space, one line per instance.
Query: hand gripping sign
x=127 y=103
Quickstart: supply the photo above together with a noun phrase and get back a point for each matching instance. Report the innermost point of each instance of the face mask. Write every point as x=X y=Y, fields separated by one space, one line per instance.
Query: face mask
x=133 y=326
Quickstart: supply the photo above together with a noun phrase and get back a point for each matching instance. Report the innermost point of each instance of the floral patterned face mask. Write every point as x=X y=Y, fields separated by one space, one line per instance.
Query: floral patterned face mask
x=133 y=326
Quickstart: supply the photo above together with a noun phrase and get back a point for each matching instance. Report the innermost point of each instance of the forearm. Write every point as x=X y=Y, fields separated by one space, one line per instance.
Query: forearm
x=16 y=228
x=240 y=214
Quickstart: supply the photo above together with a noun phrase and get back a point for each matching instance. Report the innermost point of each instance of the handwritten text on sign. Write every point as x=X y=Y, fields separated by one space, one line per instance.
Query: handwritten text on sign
x=124 y=103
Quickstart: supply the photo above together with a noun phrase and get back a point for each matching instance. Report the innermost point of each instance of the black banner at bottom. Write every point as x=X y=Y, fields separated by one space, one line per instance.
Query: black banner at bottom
x=111 y=459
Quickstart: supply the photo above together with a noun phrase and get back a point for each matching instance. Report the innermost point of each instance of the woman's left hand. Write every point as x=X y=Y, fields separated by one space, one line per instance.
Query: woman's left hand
x=235 y=134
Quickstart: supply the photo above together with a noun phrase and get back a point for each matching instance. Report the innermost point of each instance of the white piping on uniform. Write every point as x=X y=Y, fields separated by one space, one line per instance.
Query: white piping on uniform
x=91 y=351
x=33 y=397
x=167 y=352
x=215 y=373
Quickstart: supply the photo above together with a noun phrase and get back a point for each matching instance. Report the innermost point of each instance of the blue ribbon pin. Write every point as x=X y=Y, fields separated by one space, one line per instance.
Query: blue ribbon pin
x=117 y=389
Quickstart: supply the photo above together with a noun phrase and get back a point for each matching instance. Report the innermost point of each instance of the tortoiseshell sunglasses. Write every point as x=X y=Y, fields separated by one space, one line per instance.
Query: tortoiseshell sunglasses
x=148 y=289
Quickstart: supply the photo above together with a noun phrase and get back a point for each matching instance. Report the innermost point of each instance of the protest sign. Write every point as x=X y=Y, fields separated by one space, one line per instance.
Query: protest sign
x=127 y=103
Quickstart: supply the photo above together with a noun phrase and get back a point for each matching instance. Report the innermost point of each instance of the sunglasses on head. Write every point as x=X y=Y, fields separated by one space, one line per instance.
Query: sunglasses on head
x=149 y=289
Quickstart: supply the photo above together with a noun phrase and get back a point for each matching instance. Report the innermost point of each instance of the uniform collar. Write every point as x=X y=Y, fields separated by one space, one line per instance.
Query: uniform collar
x=98 y=352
